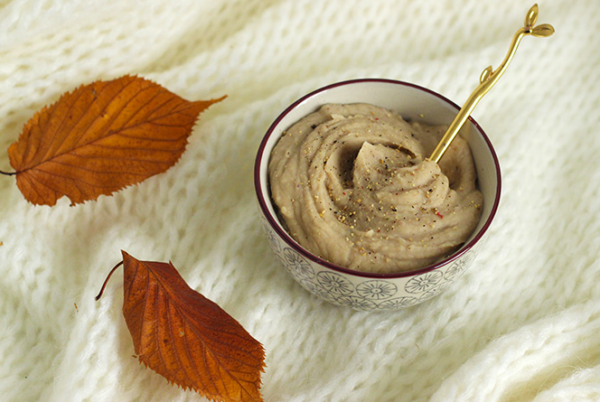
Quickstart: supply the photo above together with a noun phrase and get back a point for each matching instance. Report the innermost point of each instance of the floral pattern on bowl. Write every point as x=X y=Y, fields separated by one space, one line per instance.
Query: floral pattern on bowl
x=368 y=294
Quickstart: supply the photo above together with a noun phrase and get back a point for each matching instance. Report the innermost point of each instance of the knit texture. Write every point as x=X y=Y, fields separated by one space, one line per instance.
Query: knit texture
x=522 y=324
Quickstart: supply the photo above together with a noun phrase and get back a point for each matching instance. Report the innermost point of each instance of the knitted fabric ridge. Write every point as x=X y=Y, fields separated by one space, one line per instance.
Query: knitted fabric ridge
x=522 y=324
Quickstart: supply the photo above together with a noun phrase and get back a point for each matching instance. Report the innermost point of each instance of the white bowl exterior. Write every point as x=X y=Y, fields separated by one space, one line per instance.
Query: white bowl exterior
x=360 y=293
x=381 y=292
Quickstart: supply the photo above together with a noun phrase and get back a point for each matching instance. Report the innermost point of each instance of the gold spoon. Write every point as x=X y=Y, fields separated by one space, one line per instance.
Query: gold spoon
x=489 y=77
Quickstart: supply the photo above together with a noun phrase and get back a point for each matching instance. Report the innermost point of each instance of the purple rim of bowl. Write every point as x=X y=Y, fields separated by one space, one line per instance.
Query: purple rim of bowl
x=292 y=243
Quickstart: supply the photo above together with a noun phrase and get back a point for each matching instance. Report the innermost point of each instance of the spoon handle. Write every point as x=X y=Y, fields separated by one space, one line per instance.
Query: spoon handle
x=488 y=79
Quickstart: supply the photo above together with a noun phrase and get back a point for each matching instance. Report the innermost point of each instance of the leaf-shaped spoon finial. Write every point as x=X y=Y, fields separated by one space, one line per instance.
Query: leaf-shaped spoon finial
x=489 y=77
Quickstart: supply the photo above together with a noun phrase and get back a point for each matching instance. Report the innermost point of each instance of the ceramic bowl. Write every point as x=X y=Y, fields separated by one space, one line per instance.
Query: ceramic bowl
x=367 y=291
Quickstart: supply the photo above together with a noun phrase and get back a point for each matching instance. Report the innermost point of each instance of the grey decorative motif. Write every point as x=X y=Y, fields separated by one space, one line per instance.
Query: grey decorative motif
x=297 y=264
x=433 y=292
x=459 y=267
x=455 y=270
x=273 y=241
x=398 y=302
x=335 y=283
x=369 y=294
x=376 y=290
x=310 y=286
x=424 y=282
x=357 y=303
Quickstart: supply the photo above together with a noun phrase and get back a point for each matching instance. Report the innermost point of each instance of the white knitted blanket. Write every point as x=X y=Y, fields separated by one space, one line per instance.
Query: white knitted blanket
x=523 y=324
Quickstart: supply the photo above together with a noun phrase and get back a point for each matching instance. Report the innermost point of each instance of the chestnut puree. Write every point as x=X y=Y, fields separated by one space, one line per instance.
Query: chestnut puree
x=353 y=185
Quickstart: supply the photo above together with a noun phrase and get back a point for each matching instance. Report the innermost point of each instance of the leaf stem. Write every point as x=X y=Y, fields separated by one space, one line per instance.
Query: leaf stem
x=106 y=280
x=8 y=173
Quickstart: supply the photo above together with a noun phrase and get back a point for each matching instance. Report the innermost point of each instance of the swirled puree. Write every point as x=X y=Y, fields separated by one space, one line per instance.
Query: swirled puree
x=353 y=186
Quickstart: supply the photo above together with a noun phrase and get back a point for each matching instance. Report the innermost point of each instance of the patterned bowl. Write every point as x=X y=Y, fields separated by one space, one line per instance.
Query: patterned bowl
x=360 y=290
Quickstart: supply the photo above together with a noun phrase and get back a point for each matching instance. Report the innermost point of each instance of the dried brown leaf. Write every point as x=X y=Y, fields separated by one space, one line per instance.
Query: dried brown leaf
x=187 y=338
x=100 y=138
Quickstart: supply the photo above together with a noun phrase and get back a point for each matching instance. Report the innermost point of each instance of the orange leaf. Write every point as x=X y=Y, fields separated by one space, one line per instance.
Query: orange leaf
x=101 y=138
x=187 y=338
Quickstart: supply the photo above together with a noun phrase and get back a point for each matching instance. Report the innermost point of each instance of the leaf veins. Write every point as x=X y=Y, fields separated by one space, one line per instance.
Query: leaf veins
x=100 y=138
x=187 y=338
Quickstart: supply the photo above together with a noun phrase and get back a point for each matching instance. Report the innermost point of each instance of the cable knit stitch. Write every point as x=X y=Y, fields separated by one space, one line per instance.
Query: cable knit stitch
x=521 y=325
